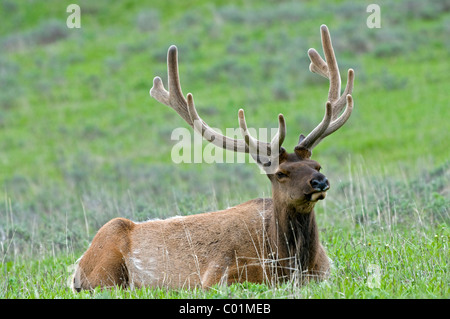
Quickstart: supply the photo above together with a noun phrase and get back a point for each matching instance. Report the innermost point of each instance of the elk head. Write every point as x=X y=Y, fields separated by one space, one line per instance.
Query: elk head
x=296 y=179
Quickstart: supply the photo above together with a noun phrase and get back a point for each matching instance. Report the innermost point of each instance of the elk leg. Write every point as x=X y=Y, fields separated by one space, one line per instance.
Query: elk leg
x=103 y=263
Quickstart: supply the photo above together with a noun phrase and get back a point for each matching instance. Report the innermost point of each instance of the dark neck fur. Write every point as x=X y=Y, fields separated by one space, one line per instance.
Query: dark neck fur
x=295 y=236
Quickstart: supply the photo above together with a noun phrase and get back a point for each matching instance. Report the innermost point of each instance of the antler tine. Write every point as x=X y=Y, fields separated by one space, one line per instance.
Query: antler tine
x=186 y=108
x=333 y=68
x=172 y=70
x=320 y=129
x=278 y=139
x=209 y=134
x=330 y=70
x=341 y=101
x=174 y=97
x=248 y=138
x=261 y=149
x=336 y=124
x=317 y=65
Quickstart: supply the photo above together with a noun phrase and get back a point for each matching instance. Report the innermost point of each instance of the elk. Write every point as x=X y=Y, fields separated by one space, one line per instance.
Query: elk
x=264 y=240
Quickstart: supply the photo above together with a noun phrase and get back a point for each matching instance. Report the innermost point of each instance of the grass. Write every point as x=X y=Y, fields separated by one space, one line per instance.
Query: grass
x=81 y=142
x=410 y=267
x=365 y=224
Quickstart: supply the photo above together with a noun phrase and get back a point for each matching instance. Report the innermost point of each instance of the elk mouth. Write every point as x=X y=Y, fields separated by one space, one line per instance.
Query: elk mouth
x=317 y=194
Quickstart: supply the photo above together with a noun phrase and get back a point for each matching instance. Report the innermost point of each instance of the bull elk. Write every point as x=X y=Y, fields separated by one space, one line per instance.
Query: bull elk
x=264 y=240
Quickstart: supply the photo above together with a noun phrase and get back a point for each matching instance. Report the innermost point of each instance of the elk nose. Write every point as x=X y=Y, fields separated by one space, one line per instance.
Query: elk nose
x=320 y=183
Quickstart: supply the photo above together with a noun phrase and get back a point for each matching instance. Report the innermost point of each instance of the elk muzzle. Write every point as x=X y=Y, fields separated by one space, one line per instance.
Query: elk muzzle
x=320 y=185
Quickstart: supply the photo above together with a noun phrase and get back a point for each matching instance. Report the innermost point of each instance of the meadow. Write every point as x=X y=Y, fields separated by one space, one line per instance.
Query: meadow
x=82 y=142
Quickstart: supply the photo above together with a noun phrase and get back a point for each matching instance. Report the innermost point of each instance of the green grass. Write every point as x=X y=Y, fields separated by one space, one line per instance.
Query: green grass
x=397 y=226
x=410 y=267
x=82 y=142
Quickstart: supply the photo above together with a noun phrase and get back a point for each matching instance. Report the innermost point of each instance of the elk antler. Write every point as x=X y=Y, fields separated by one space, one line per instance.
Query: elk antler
x=185 y=107
x=262 y=158
x=263 y=152
x=333 y=118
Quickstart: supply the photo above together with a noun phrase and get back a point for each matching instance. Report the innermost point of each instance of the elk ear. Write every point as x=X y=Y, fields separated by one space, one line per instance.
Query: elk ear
x=283 y=155
x=302 y=152
x=301 y=138
x=270 y=165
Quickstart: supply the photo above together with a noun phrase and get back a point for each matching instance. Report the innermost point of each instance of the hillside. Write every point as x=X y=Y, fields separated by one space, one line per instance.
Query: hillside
x=81 y=140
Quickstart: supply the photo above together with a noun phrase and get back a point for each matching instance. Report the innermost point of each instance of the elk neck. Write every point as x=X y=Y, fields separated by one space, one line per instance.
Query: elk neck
x=296 y=235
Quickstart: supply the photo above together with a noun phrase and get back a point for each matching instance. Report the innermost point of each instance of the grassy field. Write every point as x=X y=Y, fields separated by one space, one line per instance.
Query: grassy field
x=82 y=142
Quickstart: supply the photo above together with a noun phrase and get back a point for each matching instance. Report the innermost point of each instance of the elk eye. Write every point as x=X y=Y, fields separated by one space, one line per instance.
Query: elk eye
x=281 y=175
